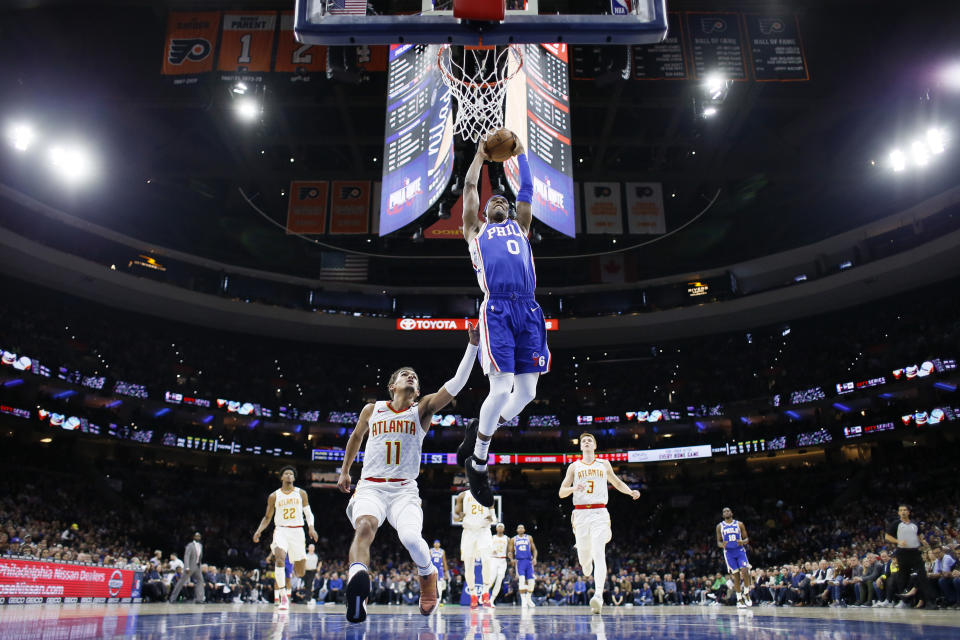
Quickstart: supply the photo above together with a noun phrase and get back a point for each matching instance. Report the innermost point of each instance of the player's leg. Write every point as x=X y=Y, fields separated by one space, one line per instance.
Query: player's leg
x=280 y=596
x=501 y=384
x=584 y=544
x=600 y=535
x=366 y=511
x=499 y=572
x=524 y=391
x=746 y=582
x=487 y=575
x=406 y=516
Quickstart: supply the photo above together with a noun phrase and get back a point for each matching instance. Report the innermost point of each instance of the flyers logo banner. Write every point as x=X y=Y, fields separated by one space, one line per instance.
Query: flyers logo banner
x=247 y=42
x=307 y=209
x=603 y=207
x=454 y=324
x=293 y=57
x=350 y=207
x=645 y=213
x=190 y=42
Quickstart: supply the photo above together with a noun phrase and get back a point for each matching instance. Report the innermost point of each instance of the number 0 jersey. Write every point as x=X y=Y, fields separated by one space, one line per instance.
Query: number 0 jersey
x=394 y=442
x=287 y=508
x=593 y=478
x=503 y=259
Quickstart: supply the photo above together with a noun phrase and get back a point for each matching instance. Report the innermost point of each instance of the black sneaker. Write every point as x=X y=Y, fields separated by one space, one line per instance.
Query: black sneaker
x=358 y=589
x=479 y=483
x=465 y=450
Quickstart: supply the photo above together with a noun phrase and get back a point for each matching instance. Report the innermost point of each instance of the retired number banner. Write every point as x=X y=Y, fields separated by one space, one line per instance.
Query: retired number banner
x=247 y=41
x=28 y=581
x=293 y=57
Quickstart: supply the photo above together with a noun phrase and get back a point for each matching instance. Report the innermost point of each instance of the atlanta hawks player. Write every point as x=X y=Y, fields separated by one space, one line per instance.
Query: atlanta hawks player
x=498 y=563
x=387 y=490
x=587 y=480
x=514 y=349
x=476 y=543
x=288 y=507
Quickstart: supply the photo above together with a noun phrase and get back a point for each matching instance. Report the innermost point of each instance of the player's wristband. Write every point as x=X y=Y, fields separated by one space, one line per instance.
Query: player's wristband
x=525 y=194
x=456 y=383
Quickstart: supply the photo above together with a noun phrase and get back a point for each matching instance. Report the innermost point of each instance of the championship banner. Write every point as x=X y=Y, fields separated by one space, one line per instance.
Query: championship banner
x=603 y=207
x=26 y=581
x=247 y=42
x=349 y=207
x=453 y=324
x=645 y=208
x=307 y=208
x=296 y=58
x=190 y=43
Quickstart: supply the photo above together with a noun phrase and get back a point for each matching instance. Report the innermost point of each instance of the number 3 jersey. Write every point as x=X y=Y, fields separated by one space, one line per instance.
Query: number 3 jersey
x=593 y=480
x=394 y=442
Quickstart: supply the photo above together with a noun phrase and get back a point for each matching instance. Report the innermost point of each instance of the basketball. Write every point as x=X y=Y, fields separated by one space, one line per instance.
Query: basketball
x=500 y=144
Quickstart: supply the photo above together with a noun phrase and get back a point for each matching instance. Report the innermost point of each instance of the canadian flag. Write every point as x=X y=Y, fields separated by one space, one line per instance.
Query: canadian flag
x=611 y=268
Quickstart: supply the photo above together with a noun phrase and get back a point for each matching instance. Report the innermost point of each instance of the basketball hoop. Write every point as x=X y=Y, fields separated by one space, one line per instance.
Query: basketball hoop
x=479 y=83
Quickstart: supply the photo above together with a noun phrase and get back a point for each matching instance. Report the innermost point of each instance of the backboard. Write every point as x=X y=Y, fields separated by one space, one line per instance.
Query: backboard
x=350 y=22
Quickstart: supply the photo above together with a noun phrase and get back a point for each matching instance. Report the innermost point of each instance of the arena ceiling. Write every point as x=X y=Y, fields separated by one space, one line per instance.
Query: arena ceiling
x=794 y=162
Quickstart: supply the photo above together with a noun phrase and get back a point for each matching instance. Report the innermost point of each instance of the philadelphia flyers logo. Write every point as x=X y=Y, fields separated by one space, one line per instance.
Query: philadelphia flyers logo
x=194 y=49
x=308 y=193
x=713 y=25
x=348 y=193
x=770 y=26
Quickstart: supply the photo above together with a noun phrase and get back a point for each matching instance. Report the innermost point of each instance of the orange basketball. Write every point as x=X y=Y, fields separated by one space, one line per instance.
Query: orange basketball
x=499 y=145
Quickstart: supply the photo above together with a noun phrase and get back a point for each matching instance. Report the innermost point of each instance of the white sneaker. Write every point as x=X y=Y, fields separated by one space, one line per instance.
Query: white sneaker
x=312 y=603
x=284 y=602
x=596 y=604
x=746 y=599
x=741 y=605
x=902 y=605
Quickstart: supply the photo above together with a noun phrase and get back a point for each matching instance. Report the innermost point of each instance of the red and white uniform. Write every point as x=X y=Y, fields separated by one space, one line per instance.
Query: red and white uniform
x=590 y=520
x=288 y=524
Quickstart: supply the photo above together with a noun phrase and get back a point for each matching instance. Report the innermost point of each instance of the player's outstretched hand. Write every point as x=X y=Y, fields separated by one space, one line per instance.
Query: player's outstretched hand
x=635 y=494
x=313 y=534
x=473 y=333
x=517 y=145
x=481 y=151
x=344 y=483
x=256 y=537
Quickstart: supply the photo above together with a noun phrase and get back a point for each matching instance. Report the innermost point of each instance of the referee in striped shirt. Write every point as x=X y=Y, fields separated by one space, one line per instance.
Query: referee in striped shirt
x=906 y=535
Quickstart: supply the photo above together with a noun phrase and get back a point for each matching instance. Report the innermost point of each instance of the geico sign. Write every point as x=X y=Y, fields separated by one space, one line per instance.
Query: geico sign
x=451 y=324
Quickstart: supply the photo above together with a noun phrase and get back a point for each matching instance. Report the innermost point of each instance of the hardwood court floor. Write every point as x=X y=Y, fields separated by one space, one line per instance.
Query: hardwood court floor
x=250 y=621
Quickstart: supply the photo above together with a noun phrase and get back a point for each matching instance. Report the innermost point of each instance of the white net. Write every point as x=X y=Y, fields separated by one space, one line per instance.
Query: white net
x=477 y=78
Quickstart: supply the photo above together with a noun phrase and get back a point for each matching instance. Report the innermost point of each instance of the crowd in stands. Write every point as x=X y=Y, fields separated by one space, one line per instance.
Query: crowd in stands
x=816 y=530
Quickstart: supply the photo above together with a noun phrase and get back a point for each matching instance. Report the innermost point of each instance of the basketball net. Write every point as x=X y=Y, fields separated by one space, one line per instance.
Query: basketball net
x=478 y=81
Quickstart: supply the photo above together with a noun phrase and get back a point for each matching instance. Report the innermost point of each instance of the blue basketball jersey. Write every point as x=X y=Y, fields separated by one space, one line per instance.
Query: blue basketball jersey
x=730 y=532
x=521 y=547
x=503 y=259
x=436 y=557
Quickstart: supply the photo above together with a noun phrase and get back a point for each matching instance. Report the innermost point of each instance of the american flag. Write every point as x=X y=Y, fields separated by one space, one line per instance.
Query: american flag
x=347 y=7
x=343 y=267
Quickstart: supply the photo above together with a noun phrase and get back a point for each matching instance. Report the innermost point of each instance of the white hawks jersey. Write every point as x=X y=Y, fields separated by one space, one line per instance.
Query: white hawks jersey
x=394 y=442
x=593 y=479
x=287 y=508
x=500 y=546
x=474 y=513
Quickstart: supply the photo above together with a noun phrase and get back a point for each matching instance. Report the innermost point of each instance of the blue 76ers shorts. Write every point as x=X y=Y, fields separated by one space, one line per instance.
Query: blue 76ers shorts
x=525 y=568
x=735 y=558
x=513 y=336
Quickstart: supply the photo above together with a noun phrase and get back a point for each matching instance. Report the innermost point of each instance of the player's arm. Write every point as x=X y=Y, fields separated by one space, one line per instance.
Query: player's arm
x=719 y=537
x=619 y=484
x=353 y=446
x=566 y=487
x=446 y=569
x=510 y=553
x=471 y=196
x=525 y=193
x=533 y=550
x=433 y=402
x=308 y=515
x=267 y=517
x=458 y=507
x=744 y=540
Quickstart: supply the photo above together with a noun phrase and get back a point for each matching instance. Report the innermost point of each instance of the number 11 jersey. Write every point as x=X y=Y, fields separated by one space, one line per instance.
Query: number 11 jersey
x=394 y=443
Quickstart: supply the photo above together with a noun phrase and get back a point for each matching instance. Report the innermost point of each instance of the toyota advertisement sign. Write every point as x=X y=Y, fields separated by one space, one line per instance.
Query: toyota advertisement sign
x=452 y=324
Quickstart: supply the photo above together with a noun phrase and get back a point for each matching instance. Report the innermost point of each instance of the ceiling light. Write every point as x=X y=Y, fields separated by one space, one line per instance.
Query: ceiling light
x=71 y=162
x=21 y=136
x=709 y=112
x=919 y=153
x=936 y=140
x=898 y=160
x=247 y=109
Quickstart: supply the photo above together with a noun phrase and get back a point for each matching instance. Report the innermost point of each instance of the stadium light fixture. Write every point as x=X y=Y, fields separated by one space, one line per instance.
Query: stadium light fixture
x=21 y=136
x=709 y=112
x=71 y=162
x=951 y=75
x=898 y=160
x=239 y=88
x=247 y=109
x=919 y=153
x=936 y=140
x=716 y=86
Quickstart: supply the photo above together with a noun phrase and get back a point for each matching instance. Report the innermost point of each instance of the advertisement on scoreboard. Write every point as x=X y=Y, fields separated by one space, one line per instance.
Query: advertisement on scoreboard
x=26 y=581
x=538 y=111
x=418 y=147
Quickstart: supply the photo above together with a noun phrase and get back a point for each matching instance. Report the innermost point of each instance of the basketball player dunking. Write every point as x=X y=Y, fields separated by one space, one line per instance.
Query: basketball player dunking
x=288 y=507
x=524 y=552
x=387 y=490
x=498 y=562
x=476 y=543
x=587 y=480
x=438 y=556
x=732 y=537
x=513 y=339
